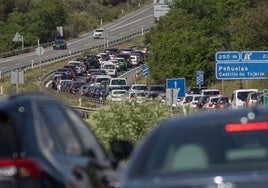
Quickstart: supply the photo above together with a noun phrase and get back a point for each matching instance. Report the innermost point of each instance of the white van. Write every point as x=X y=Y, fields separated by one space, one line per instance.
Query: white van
x=239 y=97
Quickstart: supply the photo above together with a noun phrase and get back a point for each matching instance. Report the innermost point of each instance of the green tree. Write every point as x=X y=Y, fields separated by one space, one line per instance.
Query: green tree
x=187 y=38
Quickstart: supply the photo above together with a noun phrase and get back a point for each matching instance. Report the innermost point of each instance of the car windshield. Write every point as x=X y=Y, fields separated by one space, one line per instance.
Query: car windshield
x=139 y=87
x=109 y=66
x=211 y=93
x=202 y=150
x=242 y=95
x=224 y=100
x=157 y=88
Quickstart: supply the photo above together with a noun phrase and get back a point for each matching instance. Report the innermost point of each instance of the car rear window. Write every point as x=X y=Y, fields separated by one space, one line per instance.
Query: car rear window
x=205 y=149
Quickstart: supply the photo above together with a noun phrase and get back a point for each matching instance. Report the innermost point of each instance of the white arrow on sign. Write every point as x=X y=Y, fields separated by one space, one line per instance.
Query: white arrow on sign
x=175 y=84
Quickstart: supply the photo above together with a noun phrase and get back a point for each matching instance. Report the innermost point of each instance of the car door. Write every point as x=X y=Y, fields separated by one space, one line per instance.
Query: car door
x=80 y=157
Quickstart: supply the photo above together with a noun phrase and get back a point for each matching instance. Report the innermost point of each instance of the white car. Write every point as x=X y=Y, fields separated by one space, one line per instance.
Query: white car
x=190 y=100
x=110 y=69
x=211 y=92
x=211 y=102
x=98 y=33
x=117 y=95
x=139 y=87
x=135 y=60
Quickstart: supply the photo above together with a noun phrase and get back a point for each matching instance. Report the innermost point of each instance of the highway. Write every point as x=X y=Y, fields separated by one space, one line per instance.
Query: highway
x=131 y=24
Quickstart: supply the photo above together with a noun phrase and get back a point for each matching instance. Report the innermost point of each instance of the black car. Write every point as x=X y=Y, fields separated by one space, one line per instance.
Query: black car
x=47 y=144
x=155 y=90
x=59 y=44
x=226 y=148
x=92 y=61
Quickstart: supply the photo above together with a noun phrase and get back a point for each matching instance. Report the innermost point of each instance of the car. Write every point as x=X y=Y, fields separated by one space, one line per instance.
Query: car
x=223 y=102
x=93 y=61
x=122 y=64
x=223 y=148
x=98 y=33
x=127 y=50
x=110 y=69
x=59 y=44
x=126 y=56
x=252 y=98
x=140 y=54
x=46 y=143
x=202 y=101
x=196 y=90
x=118 y=83
x=98 y=78
x=139 y=87
x=99 y=92
x=154 y=90
x=211 y=102
x=135 y=60
x=210 y=92
x=112 y=50
x=117 y=95
x=74 y=86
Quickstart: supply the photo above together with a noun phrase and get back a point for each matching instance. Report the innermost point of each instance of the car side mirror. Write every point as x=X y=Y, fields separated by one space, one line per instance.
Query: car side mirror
x=121 y=149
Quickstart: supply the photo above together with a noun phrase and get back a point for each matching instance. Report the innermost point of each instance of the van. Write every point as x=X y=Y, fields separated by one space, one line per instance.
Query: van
x=239 y=96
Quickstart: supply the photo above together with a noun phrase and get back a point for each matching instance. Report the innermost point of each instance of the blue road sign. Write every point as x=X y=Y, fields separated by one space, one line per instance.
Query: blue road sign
x=145 y=70
x=227 y=56
x=254 y=56
x=252 y=70
x=249 y=65
x=200 y=77
x=177 y=83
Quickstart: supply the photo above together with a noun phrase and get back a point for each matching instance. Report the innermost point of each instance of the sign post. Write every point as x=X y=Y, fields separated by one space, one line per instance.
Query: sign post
x=39 y=51
x=17 y=77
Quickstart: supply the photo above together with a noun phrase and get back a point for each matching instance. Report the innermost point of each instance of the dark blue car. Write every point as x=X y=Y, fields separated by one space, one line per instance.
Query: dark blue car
x=46 y=144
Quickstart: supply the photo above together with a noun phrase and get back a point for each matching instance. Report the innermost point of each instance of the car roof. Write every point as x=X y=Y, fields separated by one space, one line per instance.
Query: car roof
x=220 y=118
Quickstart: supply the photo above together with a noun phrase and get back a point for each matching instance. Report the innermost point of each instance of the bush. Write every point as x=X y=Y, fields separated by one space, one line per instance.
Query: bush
x=127 y=121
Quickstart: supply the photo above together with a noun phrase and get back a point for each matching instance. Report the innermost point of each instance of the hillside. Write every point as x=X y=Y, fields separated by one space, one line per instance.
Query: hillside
x=39 y=20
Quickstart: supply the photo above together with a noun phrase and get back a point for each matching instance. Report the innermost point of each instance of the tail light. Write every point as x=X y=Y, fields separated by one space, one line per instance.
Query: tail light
x=23 y=168
x=239 y=127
